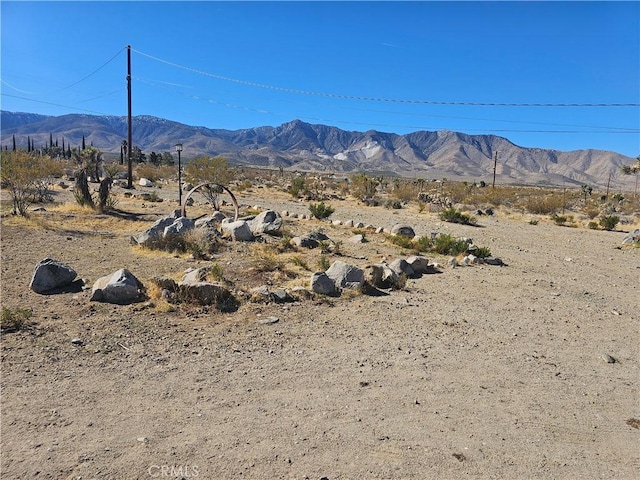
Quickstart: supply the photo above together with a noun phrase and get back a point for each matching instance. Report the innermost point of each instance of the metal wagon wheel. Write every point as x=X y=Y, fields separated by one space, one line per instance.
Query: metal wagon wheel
x=215 y=185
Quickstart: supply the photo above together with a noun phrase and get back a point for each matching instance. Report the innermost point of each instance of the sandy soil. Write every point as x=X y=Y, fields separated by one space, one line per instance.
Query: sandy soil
x=476 y=372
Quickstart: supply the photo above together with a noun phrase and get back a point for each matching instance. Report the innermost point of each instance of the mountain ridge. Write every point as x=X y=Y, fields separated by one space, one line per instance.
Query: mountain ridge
x=302 y=146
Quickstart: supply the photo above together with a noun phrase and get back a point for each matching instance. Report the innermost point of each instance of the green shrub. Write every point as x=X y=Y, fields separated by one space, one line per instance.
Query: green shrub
x=300 y=262
x=482 y=252
x=452 y=215
x=446 y=244
x=14 y=320
x=320 y=210
x=559 y=219
x=609 y=222
x=422 y=244
x=592 y=225
x=401 y=241
x=323 y=263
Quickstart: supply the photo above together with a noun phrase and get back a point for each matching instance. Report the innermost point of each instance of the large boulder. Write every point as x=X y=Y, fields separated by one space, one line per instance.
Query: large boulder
x=179 y=227
x=322 y=284
x=383 y=276
x=345 y=275
x=403 y=230
x=266 y=222
x=50 y=275
x=211 y=221
x=154 y=233
x=418 y=263
x=401 y=266
x=121 y=288
x=239 y=230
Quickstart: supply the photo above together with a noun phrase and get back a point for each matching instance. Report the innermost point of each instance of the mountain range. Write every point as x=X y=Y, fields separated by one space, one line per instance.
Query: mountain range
x=301 y=146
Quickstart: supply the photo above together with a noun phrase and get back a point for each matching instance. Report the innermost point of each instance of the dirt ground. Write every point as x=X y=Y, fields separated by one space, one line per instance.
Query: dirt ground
x=476 y=372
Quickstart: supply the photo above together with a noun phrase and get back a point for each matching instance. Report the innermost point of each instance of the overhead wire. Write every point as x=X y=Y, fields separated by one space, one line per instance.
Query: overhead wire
x=155 y=84
x=373 y=99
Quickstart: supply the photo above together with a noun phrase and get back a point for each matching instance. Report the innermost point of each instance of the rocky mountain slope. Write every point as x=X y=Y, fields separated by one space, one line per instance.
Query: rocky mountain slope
x=301 y=146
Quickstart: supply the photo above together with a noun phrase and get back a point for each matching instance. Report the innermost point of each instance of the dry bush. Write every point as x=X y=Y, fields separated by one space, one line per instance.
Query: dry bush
x=544 y=204
x=155 y=173
x=405 y=191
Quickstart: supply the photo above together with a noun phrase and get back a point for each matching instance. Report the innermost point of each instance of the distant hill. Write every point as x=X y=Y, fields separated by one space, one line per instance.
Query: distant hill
x=297 y=145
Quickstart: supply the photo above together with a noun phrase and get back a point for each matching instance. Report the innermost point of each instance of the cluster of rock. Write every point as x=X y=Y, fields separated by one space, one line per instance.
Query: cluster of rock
x=244 y=229
x=435 y=199
x=633 y=238
x=121 y=287
x=341 y=275
x=196 y=289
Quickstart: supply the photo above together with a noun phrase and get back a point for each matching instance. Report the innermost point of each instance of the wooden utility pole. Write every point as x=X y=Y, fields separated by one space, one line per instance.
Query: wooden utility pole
x=608 y=183
x=129 y=141
x=495 y=164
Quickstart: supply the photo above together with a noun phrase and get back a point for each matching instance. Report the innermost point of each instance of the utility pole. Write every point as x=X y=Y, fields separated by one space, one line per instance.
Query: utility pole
x=608 y=183
x=129 y=141
x=495 y=164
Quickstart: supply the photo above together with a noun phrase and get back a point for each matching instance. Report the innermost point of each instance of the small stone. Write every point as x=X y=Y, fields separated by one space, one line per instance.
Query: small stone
x=608 y=358
x=268 y=320
x=142 y=439
x=77 y=341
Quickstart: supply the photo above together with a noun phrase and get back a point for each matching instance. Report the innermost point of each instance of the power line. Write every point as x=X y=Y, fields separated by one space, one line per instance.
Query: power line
x=607 y=130
x=92 y=73
x=385 y=100
x=54 y=104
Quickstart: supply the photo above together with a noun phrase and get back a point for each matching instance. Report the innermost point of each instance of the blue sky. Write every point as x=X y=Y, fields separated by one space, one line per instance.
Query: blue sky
x=390 y=66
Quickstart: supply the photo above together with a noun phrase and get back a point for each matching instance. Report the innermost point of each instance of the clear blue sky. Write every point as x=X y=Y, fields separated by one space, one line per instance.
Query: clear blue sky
x=205 y=64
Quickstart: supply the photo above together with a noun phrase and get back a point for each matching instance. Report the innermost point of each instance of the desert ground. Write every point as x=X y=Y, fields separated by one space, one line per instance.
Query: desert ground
x=486 y=372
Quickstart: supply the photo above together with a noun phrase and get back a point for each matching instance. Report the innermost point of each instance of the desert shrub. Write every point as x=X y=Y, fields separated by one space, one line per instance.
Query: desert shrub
x=153 y=196
x=250 y=211
x=243 y=186
x=533 y=221
x=559 y=219
x=265 y=258
x=14 y=320
x=24 y=175
x=197 y=242
x=320 y=210
x=452 y=215
x=591 y=212
x=298 y=187
x=208 y=169
x=400 y=240
x=482 y=252
x=446 y=244
x=216 y=272
x=405 y=192
x=323 y=263
x=592 y=225
x=609 y=222
x=155 y=173
x=361 y=186
x=543 y=205
x=300 y=262
x=422 y=244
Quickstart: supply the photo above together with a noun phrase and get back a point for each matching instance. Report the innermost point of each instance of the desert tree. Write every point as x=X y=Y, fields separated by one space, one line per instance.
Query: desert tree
x=215 y=170
x=167 y=158
x=23 y=175
x=363 y=186
x=88 y=162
